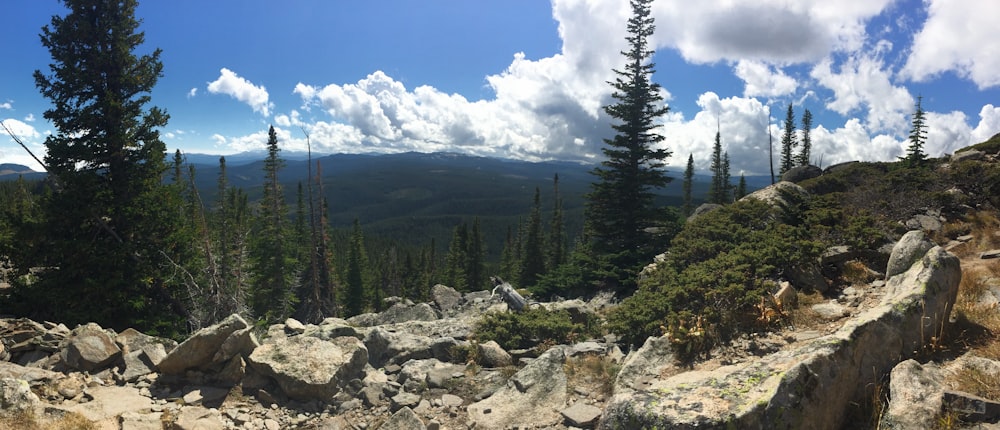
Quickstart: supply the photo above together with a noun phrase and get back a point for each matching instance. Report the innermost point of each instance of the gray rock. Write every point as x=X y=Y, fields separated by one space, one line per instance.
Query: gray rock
x=492 y=355
x=193 y=418
x=451 y=400
x=971 y=407
x=371 y=396
x=581 y=415
x=16 y=396
x=703 y=209
x=587 y=348
x=202 y=349
x=812 y=384
x=531 y=397
x=774 y=194
x=308 y=368
x=445 y=297
x=404 y=400
x=293 y=326
x=924 y=222
x=787 y=296
x=830 y=310
x=90 y=348
x=332 y=328
x=403 y=419
x=414 y=372
x=915 y=396
x=987 y=255
x=800 y=173
x=136 y=366
x=400 y=312
x=910 y=248
x=389 y=347
x=968 y=155
x=807 y=278
x=141 y=421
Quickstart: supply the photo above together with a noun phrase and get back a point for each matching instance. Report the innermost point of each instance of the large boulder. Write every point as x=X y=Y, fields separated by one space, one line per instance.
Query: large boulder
x=402 y=312
x=811 y=385
x=915 y=391
x=532 y=397
x=908 y=250
x=391 y=347
x=800 y=173
x=777 y=194
x=16 y=396
x=89 y=347
x=308 y=368
x=403 y=419
x=211 y=346
x=445 y=297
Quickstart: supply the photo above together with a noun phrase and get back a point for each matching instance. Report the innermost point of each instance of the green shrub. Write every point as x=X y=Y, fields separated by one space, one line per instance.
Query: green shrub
x=718 y=269
x=519 y=330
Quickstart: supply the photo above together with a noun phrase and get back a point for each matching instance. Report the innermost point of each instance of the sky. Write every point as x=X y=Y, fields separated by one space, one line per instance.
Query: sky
x=528 y=79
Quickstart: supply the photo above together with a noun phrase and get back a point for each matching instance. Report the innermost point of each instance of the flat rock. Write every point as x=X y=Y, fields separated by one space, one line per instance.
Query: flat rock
x=531 y=397
x=308 y=368
x=993 y=253
x=581 y=415
x=403 y=419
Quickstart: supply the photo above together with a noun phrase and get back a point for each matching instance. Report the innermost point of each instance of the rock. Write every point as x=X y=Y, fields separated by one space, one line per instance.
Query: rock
x=293 y=326
x=403 y=419
x=924 y=222
x=581 y=415
x=332 y=328
x=371 y=396
x=16 y=396
x=207 y=396
x=33 y=375
x=90 y=348
x=830 y=310
x=202 y=349
x=807 y=278
x=775 y=195
x=786 y=296
x=107 y=403
x=915 y=396
x=140 y=421
x=907 y=251
x=198 y=419
x=987 y=255
x=388 y=347
x=531 y=397
x=812 y=384
x=403 y=400
x=971 y=408
x=414 y=373
x=492 y=355
x=445 y=297
x=642 y=365
x=586 y=348
x=308 y=368
x=703 y=209
x=800 y=173
x=451 y=400
x=967 y=155
x=136 y=366
x=400 y=312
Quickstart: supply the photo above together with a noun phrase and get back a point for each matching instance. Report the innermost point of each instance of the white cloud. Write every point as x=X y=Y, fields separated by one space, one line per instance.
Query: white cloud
x=29 y=136
x=7 y=105
x=192 y=92
x=231 y=84
x=862 y=82
x=30 y=117
x=989 y=124
x=777 y=31
x=763 y=80
x=958 y=36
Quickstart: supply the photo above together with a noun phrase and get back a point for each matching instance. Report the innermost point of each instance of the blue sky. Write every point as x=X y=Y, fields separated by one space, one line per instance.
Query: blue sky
x=526 y=79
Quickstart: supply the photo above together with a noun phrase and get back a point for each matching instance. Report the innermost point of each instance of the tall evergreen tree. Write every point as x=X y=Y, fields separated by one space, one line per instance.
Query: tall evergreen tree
x=915 y=155
x=788 y=142
x=273 y=292
x=620 y=204
x=532 y=255
x=805 y=153
x=455 y=261
x=475 y=258
x=357 y=286
x=687 y=208
x=717 y=192
x=741 y=189
x=557 y=235
x=510 y=260
x=317 y=290
x=110 y=224
x=727 y=183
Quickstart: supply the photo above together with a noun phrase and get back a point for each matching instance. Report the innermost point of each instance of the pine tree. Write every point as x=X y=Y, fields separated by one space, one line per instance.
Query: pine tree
x=532 y=255
x=915 y=155
x=273 y=295
x=317 y=290
x=686 y=186
x=717 y=190
x=556 y=236
x=455 y=262
x=620 y=205
x=475 y=255
x=788 y=142
x=111 y=230
x=356 y=280
x=510 y=261
x=727 y=183
x=804 y=154
x=741 y=189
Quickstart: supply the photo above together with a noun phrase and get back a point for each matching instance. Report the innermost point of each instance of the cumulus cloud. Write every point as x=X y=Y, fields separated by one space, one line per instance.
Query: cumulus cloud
x=7 y=105
x=239 y=88
x=777 y=31
x=28 y=135
x=958 y=36
x=763 y=80
x=864 y=82
x=192 y=92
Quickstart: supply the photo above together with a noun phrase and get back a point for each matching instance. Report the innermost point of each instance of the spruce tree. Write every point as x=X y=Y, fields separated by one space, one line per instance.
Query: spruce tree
x=273 y=292
x=915 y=155
x=741 y=189
x=620 y=204
x=357 y=286
x=727 y=183
x=805 y=153
x=686 y=186
x=788 y=142
x=717 y=190
x=455 y=261
x=112 y=237
x=556 y=236
x=532 y=255
x=475 y=258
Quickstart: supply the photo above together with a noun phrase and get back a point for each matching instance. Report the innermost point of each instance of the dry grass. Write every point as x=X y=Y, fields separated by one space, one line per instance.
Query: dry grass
x=802 y=317
x=30 y=421
x=594 y=373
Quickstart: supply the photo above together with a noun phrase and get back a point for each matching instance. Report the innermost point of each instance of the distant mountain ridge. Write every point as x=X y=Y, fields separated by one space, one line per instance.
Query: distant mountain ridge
x=11 y=171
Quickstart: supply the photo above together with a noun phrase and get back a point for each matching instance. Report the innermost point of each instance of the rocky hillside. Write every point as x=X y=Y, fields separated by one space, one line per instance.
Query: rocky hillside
x=903 y=345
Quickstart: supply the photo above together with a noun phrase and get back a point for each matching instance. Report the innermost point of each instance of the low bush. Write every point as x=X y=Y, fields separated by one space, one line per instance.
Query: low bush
x=520 y=330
